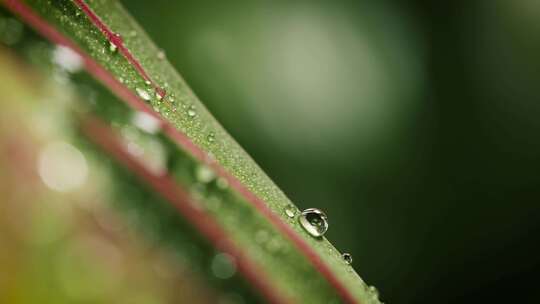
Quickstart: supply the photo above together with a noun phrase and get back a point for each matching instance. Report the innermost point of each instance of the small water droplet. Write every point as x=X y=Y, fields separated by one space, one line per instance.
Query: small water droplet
x=191 y=112
x=211 y=137
x=314 y=221
x=161 y=54
x=112 y=47
x=143 y=94
x=347 y=257
x=147 y=82
x=204 y=174
x=329 y=248
x=116 y=39
x=290 y=211
x=160 y=93
x=374 y=292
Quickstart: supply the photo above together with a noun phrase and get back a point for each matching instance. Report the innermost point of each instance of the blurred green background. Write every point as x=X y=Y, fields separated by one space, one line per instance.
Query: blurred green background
x=413 y=124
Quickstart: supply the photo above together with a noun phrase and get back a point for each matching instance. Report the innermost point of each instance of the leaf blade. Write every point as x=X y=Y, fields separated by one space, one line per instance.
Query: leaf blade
x=190 y=131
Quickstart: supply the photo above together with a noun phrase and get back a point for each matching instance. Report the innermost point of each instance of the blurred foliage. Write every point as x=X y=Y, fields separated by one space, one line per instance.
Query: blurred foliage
x=59 y=246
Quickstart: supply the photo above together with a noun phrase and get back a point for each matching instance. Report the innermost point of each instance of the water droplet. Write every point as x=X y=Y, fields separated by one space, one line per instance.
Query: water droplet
x=290 y=211
x=347 y=257
x=146 y=122
x=374 y=292
x=147 y=82
x=143 y=94
x=191 y=112
x=112 y=47
x=223 y=266
x=314 y=221
x=204 y=174
x=211 y=137
x=161 y=54
x=160 y=93
x=116 y=40
x=67 y=59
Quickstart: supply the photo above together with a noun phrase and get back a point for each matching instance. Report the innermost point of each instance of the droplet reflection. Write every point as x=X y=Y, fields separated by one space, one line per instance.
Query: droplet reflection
x=314 y=221
x=347 y=257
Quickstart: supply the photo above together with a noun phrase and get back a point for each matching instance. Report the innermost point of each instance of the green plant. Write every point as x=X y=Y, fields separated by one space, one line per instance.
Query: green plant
x=207 y=192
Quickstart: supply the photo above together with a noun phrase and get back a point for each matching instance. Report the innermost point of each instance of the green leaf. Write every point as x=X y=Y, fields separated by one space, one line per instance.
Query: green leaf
x=205 y=188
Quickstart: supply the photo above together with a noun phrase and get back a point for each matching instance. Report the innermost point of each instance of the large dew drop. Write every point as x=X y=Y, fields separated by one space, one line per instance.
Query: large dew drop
x=314 y=221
